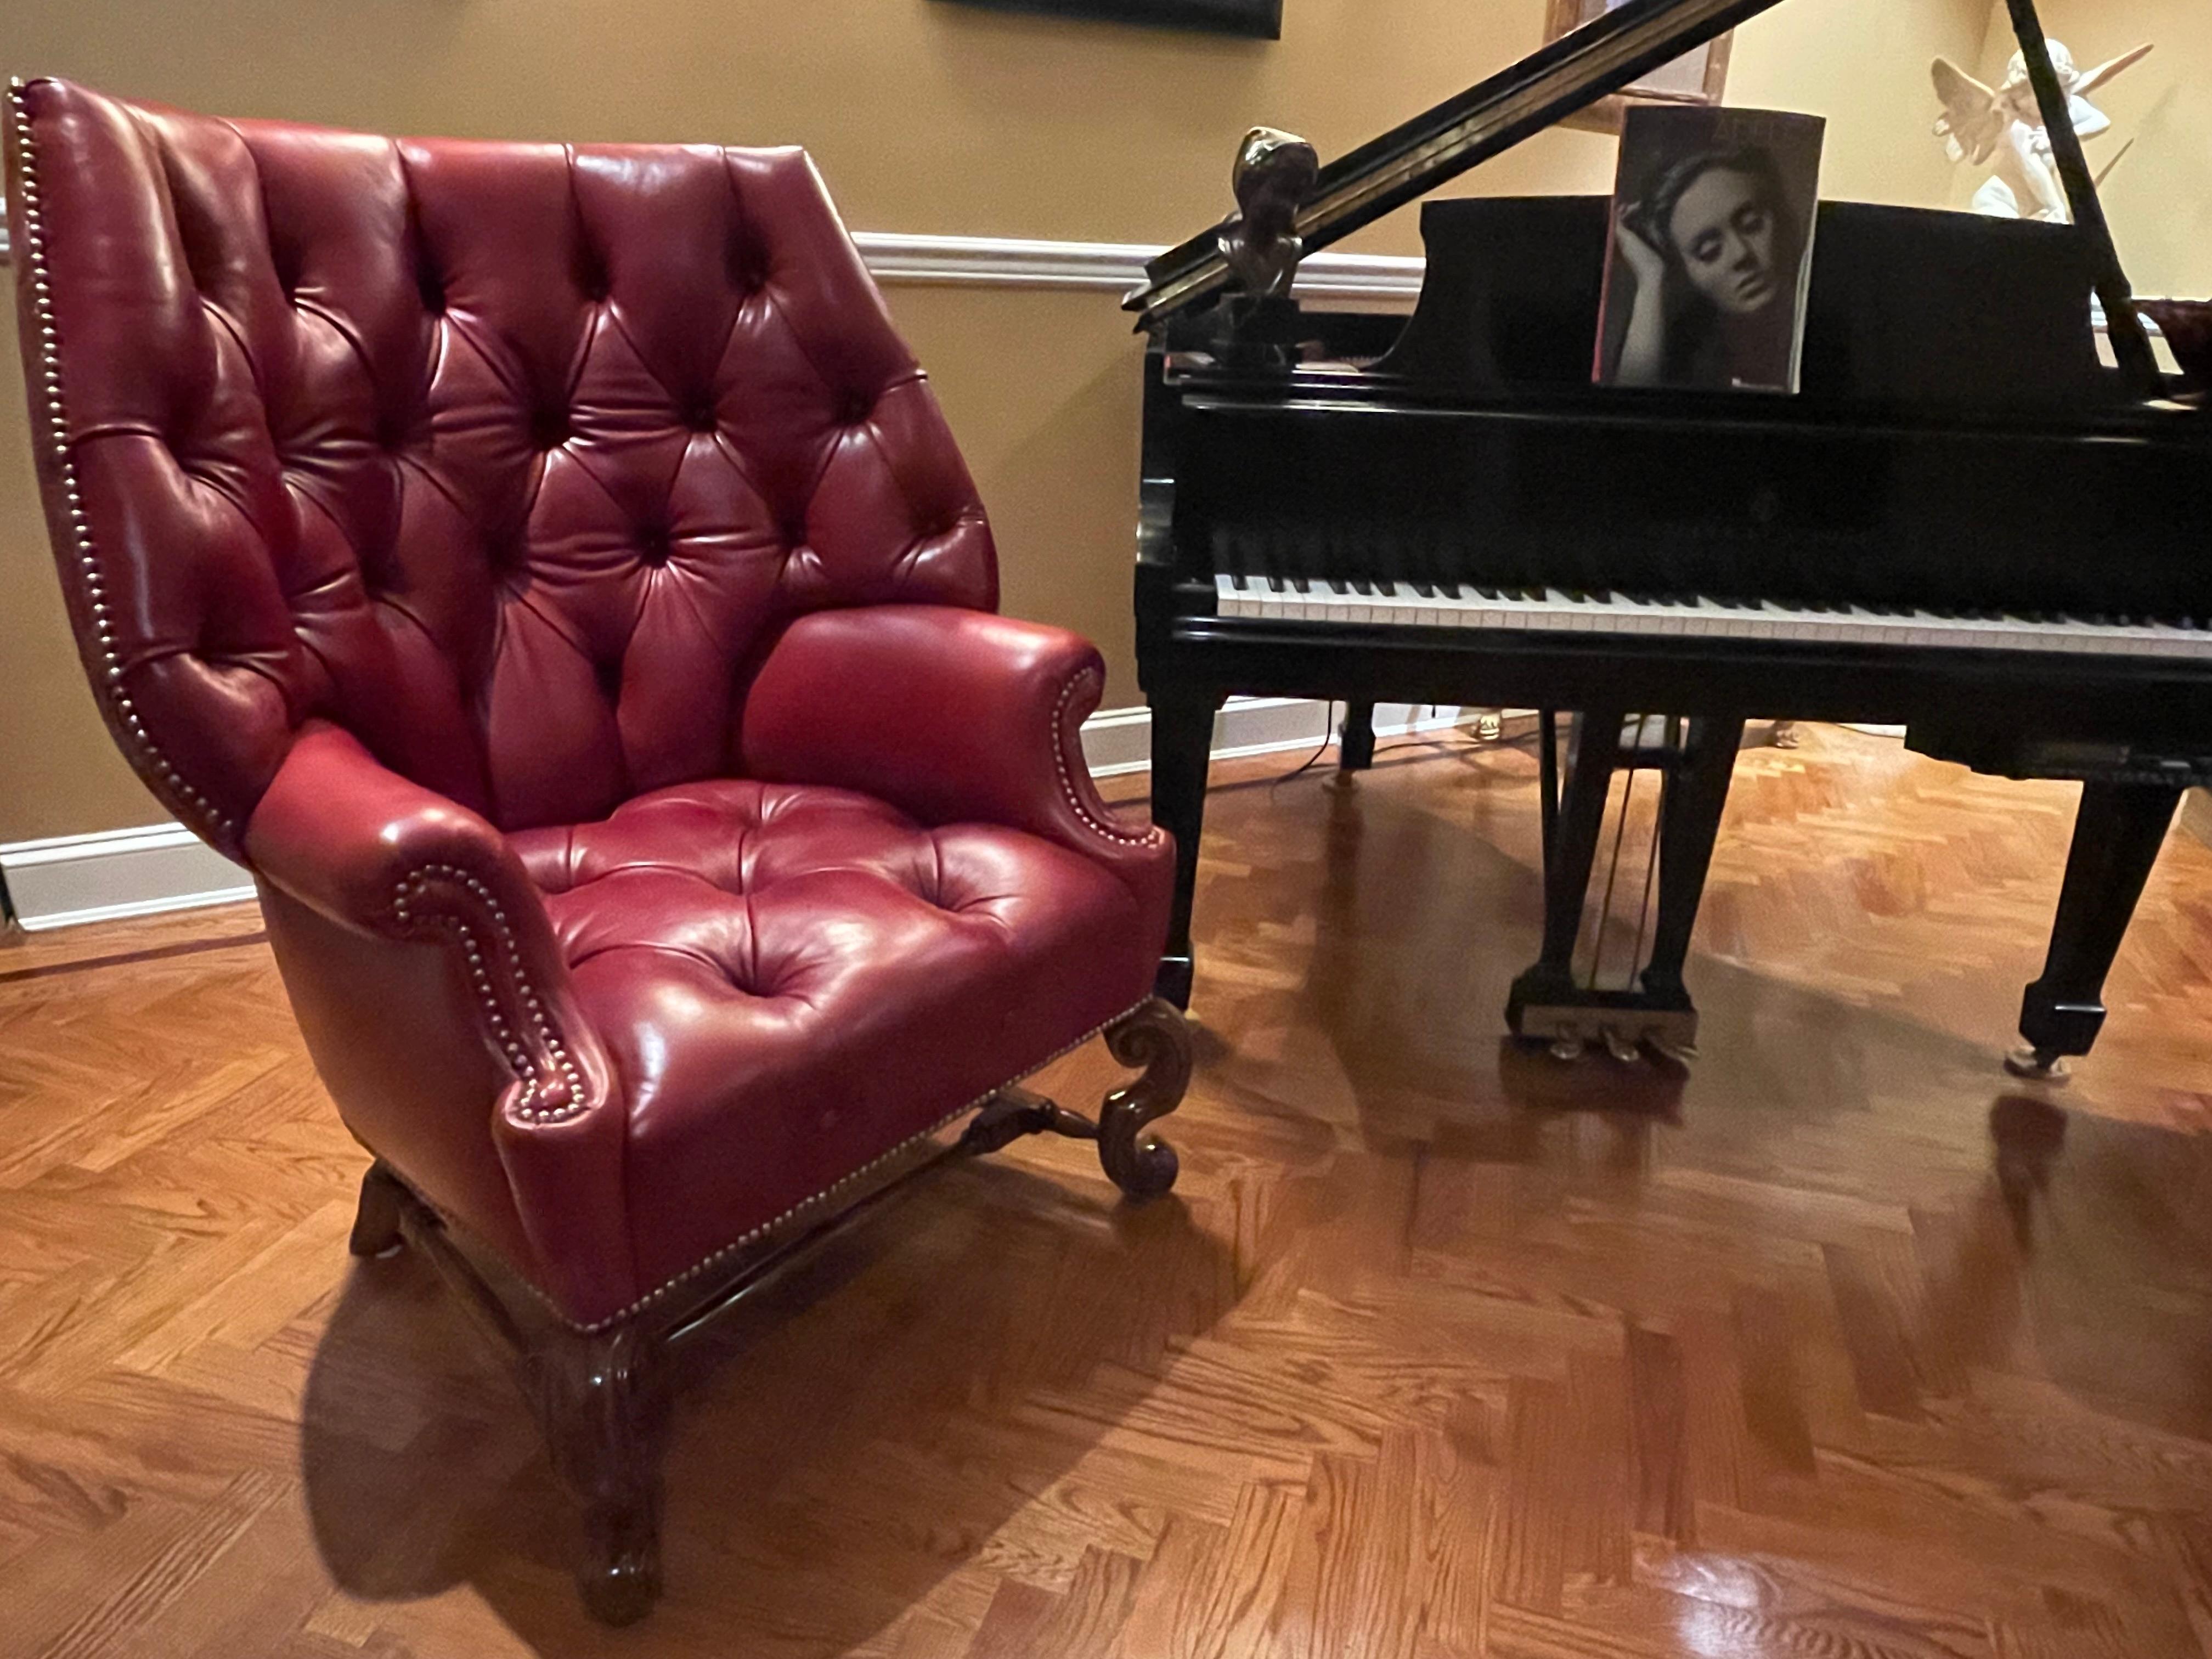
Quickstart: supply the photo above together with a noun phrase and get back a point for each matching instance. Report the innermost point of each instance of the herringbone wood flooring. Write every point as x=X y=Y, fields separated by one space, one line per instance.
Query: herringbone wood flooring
x=1839 y=1345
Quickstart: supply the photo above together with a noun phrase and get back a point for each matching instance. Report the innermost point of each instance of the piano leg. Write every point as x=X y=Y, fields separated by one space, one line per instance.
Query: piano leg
x=1697 y=792
x=1355 y=739
x=1571 y=846
x=1182 y=737
x=2117 y=834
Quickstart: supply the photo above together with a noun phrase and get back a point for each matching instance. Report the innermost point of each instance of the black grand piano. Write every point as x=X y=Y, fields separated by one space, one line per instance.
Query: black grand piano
x=1965 y=523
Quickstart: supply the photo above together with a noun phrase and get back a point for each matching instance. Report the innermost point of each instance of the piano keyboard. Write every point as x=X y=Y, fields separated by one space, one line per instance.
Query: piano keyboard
x=1400 y=605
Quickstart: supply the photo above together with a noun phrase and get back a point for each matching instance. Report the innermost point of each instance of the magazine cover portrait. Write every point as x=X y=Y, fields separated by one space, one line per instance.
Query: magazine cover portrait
x=1712 y=248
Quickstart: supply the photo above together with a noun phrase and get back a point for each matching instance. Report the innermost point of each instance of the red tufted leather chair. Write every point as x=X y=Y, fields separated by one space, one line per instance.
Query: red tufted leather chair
x=545 y=568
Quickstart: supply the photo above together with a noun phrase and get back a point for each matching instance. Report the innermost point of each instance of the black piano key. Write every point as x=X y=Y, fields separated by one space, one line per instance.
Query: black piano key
x=1260 y=560
x=1386 y=560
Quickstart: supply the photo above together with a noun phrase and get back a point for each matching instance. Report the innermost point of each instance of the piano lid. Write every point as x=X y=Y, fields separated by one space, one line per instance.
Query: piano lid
x=1569 y=73
x=1411 y=159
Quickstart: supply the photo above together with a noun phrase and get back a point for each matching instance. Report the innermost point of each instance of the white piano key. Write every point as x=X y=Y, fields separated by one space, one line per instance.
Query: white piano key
x=1400 y=605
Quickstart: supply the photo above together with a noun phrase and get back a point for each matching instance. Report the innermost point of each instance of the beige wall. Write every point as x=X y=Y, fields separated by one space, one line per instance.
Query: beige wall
x=925 y=116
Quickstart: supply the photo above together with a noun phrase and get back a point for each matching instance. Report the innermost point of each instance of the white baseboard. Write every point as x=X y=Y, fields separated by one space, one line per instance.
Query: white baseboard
x=1116 y=741
x=113 y=873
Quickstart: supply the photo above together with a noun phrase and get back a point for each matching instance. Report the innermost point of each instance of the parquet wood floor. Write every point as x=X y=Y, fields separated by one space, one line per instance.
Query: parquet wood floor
x=1838 y=1344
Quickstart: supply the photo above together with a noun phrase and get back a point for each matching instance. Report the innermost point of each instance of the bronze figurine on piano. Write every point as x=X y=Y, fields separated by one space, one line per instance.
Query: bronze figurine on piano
x=1261 y=247
x=1468 y=520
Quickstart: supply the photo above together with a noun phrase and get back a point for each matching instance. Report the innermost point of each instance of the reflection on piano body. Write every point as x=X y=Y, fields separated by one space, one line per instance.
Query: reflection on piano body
x=1965 y=524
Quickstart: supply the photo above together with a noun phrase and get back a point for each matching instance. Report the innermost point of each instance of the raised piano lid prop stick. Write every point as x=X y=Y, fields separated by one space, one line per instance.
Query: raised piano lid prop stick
x=1711 y=251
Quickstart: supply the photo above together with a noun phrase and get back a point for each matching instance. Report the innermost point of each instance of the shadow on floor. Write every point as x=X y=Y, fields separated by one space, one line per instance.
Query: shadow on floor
x=834 y=1463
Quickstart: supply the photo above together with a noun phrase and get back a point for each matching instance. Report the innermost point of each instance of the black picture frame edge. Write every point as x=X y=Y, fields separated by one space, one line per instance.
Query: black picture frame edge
x=1259 y=20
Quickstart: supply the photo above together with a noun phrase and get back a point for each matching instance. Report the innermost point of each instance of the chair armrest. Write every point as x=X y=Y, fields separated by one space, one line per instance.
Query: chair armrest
x=374 y=854
x=950 y=715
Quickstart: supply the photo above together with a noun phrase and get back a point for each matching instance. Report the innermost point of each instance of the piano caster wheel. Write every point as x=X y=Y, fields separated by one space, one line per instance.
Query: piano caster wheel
x=2038 y=1064
x=1488 y=728
x=1565 y=1048
x=1785 y=734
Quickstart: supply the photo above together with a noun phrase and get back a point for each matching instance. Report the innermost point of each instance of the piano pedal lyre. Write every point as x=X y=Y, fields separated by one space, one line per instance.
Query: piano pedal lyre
x=1648 y=1011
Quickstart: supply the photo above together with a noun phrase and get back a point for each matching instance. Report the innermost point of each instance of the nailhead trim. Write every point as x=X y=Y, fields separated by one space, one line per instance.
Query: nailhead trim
x=805 y=1205
x=564 y=1097
x=1062 y=739
x=108 y=683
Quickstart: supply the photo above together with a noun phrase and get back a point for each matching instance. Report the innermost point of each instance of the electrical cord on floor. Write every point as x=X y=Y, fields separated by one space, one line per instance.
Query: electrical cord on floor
x=1455 y=739
x=1328 y=737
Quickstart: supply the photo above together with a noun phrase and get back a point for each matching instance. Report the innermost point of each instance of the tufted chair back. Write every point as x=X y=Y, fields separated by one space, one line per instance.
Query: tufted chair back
x=511 y=459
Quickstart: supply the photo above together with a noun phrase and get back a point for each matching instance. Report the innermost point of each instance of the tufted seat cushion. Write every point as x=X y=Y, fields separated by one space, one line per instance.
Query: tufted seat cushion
x=815 y=965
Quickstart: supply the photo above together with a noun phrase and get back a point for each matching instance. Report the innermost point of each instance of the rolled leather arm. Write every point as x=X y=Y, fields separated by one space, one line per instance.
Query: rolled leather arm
x=952 y=716
x=375 y=854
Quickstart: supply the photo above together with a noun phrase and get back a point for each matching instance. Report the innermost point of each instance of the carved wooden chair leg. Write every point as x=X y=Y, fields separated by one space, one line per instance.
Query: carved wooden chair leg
x=376 y=1221
x=1155 y=1036
x=603 y=1403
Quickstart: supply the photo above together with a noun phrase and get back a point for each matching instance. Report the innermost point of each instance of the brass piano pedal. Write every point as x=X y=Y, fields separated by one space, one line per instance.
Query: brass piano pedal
x=2038 y=1064
x=1615 y=1021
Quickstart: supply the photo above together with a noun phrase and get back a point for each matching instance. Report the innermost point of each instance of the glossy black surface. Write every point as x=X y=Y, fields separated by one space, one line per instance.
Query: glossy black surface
x=1989 y=469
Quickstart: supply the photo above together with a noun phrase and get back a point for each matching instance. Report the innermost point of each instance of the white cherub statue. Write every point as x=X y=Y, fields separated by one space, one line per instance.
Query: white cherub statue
x=2002 y=130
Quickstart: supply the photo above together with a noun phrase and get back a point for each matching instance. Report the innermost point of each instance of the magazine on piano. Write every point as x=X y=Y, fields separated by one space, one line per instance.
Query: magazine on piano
x=1711 y=251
